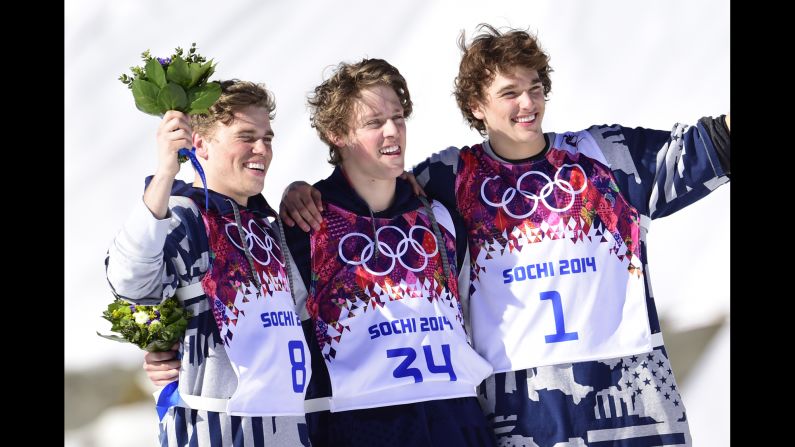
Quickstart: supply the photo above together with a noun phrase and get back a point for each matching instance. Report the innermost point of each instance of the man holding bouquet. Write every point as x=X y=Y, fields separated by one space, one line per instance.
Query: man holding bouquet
x=245 y=361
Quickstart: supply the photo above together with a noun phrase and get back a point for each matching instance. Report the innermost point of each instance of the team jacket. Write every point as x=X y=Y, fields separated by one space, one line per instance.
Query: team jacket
x=245 y=358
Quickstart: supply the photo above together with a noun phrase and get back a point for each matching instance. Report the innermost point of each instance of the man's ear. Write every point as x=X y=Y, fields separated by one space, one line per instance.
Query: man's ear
x=336 y=140
x=477 y=111
x=200 y=143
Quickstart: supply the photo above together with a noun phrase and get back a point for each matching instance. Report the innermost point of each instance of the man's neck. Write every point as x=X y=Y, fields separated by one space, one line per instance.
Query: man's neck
x=517 y=151
x=378 y=194
x=197 y=182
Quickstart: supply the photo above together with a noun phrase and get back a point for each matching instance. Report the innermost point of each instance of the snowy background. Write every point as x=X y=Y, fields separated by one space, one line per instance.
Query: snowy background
x=647 y=64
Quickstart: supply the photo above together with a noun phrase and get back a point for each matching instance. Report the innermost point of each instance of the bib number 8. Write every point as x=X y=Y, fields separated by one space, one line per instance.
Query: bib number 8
x=298 y=360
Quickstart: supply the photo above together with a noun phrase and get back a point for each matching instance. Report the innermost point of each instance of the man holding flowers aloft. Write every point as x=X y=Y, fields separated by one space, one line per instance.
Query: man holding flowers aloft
x=243 y=376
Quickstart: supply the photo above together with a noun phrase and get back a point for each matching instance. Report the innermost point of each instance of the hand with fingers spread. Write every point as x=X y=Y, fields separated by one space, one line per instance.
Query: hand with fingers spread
x=301 y=205
x=162 y=368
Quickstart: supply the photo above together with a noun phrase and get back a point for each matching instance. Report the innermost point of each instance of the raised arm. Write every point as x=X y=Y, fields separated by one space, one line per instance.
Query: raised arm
x=152 y=252
x=173 y=134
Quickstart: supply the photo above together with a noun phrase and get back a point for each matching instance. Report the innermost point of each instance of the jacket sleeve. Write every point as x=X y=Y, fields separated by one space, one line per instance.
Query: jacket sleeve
x=150 y=258
x=662 y=172
x=437 y=174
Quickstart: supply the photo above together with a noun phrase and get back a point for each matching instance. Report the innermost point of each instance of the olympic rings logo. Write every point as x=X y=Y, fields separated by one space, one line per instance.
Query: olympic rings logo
x=252 y=238
x=402 y=248
x=546 y=191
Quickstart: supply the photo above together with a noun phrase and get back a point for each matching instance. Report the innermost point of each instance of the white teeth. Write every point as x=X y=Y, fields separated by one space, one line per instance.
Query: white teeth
x=260 y=166
x=390 y=150
x=525 y=119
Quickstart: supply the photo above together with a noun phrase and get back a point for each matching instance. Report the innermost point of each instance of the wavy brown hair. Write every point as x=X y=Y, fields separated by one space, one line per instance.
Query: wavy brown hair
x=235 y=96
x=331 y=106
x=491 y=52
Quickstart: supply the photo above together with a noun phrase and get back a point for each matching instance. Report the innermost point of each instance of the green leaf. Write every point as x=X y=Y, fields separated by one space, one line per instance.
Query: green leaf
x=202 y=98
x=146 y=97
x=179 y=72
x=198 y=73
x=210 y=69
x=172 y=97
x=160 y=345
x=155 y=73
x=114 y=338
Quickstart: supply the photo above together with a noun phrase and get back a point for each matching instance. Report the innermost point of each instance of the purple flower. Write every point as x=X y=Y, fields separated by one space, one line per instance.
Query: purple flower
x=164 y=60
x=132 y=308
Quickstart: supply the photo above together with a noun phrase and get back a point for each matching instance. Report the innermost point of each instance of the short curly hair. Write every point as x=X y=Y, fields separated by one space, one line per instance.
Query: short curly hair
x=235 y=96
x=332 y=104
x=491 y=52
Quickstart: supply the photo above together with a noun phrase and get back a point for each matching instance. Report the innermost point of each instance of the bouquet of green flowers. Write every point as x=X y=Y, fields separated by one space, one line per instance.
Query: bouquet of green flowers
x=151 y=328
x=175 y=83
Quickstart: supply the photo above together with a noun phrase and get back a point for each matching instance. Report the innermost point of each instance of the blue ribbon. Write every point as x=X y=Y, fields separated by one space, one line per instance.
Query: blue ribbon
x=191 y=154
x=168 y=398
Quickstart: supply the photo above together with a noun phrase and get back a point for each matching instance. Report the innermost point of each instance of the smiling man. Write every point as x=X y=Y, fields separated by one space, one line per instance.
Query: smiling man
x=245 y=367
x=561 y=304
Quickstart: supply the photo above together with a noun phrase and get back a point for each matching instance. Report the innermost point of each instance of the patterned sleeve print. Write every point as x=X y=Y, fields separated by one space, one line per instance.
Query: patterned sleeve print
x=186 y=252
x=150 y=259
x=437 y=176
x=661 y=172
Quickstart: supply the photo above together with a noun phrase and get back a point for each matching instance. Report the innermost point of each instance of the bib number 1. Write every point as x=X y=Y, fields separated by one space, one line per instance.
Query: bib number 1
x=560 y=325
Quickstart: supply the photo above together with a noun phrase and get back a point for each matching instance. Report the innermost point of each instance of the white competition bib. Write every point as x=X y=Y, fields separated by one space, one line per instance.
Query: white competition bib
x=556 y=272
x=404 y=351
x=269 y=356
x=390 y=330
x=557 y=302
x=260 y=329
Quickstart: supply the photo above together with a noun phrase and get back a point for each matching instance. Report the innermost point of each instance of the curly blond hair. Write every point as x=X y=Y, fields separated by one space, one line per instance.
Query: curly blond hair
x=332 y=104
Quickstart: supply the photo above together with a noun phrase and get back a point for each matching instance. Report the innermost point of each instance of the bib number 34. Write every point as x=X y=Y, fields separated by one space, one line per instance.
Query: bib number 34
x=404 y=369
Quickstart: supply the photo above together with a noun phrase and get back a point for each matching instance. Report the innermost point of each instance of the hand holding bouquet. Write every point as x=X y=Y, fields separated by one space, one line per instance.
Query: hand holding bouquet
x=151 y=328
x=175 y=83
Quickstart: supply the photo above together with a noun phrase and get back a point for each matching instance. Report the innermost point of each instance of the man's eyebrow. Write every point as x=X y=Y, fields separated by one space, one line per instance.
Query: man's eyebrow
x=512 y=85
x=242 y=133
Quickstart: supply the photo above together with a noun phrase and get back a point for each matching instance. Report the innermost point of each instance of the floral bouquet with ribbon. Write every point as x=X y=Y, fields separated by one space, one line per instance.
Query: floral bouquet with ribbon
x=151 y=328
x=175 y=83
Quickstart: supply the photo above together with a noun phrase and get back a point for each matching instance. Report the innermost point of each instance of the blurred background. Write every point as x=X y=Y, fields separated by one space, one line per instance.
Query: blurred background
x=647 y=64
